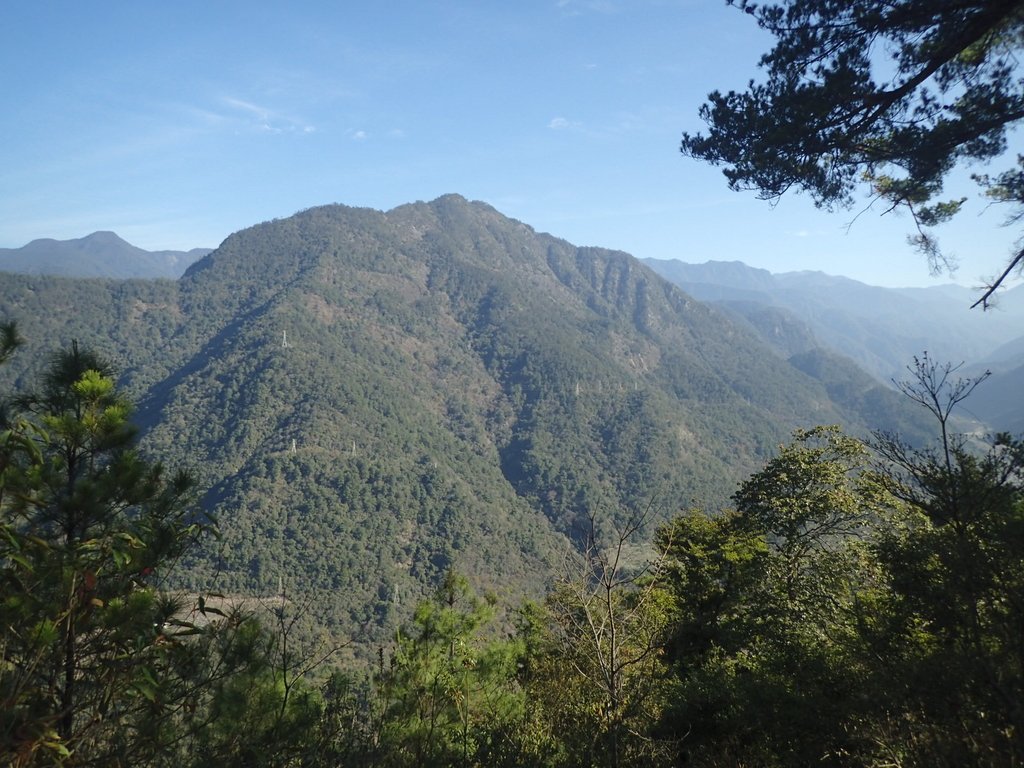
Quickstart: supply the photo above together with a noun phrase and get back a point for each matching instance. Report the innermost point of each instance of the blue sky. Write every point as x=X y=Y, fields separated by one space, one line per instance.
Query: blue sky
x=175 y=124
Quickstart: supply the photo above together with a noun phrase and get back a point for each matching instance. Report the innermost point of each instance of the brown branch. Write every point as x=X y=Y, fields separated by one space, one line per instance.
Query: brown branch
x=994 y=286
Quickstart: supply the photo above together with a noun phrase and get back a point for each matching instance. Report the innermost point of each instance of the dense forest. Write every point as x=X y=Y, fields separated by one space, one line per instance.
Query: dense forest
x=369 y=400
x=427 y=488
x=857 y=605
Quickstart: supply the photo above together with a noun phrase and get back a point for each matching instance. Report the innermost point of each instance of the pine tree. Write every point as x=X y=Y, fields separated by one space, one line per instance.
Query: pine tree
x=88 y=529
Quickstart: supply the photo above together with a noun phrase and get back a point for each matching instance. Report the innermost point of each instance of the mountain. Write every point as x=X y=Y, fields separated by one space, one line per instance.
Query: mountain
x=101 y=254
x=999 y=402
x=879 y=328
x=372 y=398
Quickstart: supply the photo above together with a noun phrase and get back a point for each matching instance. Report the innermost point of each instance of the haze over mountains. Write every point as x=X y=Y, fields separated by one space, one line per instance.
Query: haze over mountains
x=101 y=254
x=881 y=329
x=372 y=398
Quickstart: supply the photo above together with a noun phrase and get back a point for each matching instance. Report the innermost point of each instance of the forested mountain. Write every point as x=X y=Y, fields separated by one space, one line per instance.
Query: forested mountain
x=879 y=328
x=1001 y=404
x=374 y=398
x=101 y=254
x=377 y=403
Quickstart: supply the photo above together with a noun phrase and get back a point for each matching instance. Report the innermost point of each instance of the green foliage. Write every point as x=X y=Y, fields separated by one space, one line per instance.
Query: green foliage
x=449 y=695
x=128 y=322
x=951 y=627
x=858 y=607
x=853 y=611
x=100 y=665
x=769 y=599
x=88 y=529
x=950 y=631
x=249 y=713
x=456 y=391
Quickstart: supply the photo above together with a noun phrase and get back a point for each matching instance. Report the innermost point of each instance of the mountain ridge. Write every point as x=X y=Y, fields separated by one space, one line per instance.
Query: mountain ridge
x=100 y=254
x=372 y=397
x=879 y=328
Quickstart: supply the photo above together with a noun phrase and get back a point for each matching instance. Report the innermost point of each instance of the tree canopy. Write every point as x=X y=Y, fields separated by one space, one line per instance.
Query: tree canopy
x=100 y=662
x=891 y=94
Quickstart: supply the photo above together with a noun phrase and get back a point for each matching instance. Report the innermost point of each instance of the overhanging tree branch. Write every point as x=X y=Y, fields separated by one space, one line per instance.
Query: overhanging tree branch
x=821 y=123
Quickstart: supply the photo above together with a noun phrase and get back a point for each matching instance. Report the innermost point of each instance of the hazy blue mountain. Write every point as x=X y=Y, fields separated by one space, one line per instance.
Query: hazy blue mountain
x=1008 y=355
x=781 y=329
x=999 y=401
x=371 y=398
x=101 y=254
x=879 y=328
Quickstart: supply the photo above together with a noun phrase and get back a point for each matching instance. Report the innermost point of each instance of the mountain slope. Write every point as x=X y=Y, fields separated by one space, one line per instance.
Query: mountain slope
x=879 y=328
x=372 y=398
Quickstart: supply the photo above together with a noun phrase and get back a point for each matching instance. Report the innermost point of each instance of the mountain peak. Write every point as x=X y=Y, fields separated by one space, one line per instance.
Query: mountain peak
x=448 y=205
x=107 y=243
x=100 y=254
x=105 y=236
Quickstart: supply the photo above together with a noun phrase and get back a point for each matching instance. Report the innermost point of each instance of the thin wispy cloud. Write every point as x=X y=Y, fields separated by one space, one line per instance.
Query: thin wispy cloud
x=266 y=119
x=608 y=127
x=193 y=115
x=562 y=124
x=361 y=134
x=246 y=106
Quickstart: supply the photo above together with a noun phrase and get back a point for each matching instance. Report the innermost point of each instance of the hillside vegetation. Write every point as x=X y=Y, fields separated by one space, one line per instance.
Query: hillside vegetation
x=371 y=399
x=465 y=494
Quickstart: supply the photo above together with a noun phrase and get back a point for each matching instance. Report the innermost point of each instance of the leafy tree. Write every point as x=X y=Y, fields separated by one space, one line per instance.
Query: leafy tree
x=895 y=94
x=950 y=629
x=856 y=608
x=89 y=526
x=250 y=714
x=769 y=599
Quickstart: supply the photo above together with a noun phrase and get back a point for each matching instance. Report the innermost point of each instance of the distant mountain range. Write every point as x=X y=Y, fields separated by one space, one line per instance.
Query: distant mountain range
x=101 y=254
x=371 y=398
x=879 y=328
x=795 y=313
